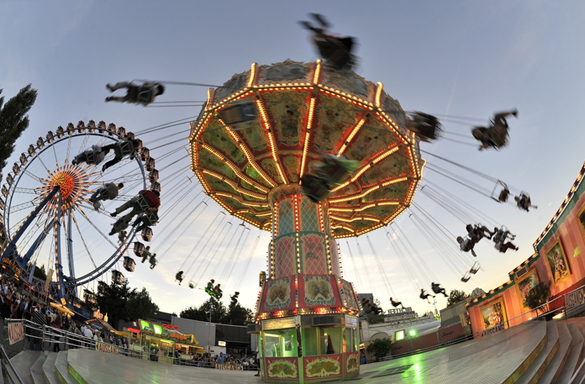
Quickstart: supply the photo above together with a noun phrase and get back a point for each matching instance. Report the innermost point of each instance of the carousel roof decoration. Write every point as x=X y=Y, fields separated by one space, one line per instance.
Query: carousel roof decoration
x=300 y=111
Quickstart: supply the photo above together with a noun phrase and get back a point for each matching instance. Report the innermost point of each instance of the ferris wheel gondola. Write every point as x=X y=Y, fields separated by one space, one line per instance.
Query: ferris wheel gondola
x=46 y=213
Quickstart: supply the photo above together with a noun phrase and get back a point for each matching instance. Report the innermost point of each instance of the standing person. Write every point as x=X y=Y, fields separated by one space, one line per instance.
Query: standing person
x=40 y=320
x=57 y=324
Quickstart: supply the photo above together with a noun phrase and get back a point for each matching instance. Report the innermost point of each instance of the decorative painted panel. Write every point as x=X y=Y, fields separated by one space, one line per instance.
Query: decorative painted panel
x=313 y=255
x=283 y=368
x=319 y=366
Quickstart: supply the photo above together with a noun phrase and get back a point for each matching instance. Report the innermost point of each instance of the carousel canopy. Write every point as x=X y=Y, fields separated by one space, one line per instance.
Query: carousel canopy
x=268 y=126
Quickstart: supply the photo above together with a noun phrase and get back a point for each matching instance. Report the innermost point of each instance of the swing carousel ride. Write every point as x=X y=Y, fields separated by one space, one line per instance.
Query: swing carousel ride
x=253 y=142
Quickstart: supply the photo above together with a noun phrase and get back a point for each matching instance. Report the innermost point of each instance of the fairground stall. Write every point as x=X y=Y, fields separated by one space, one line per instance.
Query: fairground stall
x=161 y=341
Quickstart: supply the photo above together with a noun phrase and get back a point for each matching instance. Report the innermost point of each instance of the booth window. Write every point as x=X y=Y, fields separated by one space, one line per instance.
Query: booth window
x=280 y=343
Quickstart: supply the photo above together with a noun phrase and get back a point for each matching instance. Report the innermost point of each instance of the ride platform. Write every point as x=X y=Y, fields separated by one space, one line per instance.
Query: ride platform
x=536 y=351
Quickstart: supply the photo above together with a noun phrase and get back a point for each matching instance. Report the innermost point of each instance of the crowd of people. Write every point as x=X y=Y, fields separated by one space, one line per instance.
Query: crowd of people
x=207 y=360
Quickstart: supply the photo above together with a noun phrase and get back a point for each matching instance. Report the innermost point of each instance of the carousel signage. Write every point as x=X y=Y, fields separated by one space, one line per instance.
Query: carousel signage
x=574 y=299
x=107 y=348
x=12 y=264
x=284 y=322
x=171 y=327
x=494 y=329
x=230 y=367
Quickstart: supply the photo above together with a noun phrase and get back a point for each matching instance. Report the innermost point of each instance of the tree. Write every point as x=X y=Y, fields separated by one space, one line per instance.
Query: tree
x=13 y=121
x=538 y=296
x=40 y=273
x=140 y=305
x=122 y=303
x=380 y=347
x=372 y=318
x=218 y=311
x=455 y=297
x=238 y=315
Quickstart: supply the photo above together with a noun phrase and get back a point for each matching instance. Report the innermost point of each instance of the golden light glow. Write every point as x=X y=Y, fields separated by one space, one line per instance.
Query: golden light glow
x=272 y=143
x=306 y=141
x=352 y=134
x=378 y=94
x=252 y=78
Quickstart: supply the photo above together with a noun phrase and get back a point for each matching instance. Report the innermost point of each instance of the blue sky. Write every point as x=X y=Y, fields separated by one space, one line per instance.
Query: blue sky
x=455 y=58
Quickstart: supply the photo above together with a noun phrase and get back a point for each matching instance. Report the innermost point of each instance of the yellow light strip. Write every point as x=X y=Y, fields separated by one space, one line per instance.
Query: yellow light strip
x=250 y=159
x=361 y=209
x=361 y=218
x=234 y=197
x=233 y=184
x=210 y=93
x=243 y=176
x=354 y=131
x=364 y=169
x=367 y=191
x=378 y=94
x=307 y=135
x=252 y=78
x=317 y=75
x=273 y=148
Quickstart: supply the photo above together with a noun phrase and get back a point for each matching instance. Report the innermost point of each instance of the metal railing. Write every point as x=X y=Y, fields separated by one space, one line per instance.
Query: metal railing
x=8 y=369
x=40 y=335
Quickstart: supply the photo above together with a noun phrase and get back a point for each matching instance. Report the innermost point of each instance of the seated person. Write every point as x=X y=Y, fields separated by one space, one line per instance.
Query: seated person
x=108 y=192
x=523 y=202
x=122 y=236
x=218 y=292
x=334 y=169
x=466 y=245
x=425 y=296
x=477 y=232
x=424 y=125
x=179 y=277
x=396 y=303
x=146 y=200
x=92 y=156
x=146 y=253
x=148 y=219
x=118 y=226
x=137 y=94
x=500 y=234
x=128 y=147
x=336 y=50
x=496 y=134
x=209 y=288
x=438 y=289
x=152 y=261
x=504 y=246
x=315 y=188
x=504 y=193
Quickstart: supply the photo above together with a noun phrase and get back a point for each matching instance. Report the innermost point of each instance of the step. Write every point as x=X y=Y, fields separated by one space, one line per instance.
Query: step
x=22 y=363
x=61 y=369
x=37 y=369
x=538 y=366
x=49 y=369
x=575 y=357
x=557 y=364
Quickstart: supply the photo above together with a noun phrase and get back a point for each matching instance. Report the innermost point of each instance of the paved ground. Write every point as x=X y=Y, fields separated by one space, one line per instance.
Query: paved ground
x=461 y=363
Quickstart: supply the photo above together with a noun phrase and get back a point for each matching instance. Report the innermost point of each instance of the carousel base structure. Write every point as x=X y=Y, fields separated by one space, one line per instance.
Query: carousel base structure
x=316 y=364
x=308 y=329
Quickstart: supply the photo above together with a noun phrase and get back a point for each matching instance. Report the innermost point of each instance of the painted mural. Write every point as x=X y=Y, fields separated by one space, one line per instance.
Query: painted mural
x=278 y=295
x=557 y=262
x=318 y=291
x=493 y=314
x=352 y=364
x=526 y=284
x=282 y=368
x=322 y=367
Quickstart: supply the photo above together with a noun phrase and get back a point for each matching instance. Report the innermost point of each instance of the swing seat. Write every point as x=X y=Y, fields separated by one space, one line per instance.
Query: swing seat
x=238 y=113
x=192 y=285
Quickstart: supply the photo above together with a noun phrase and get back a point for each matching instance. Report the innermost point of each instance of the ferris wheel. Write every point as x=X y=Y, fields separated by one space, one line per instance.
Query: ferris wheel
x=53 y=215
